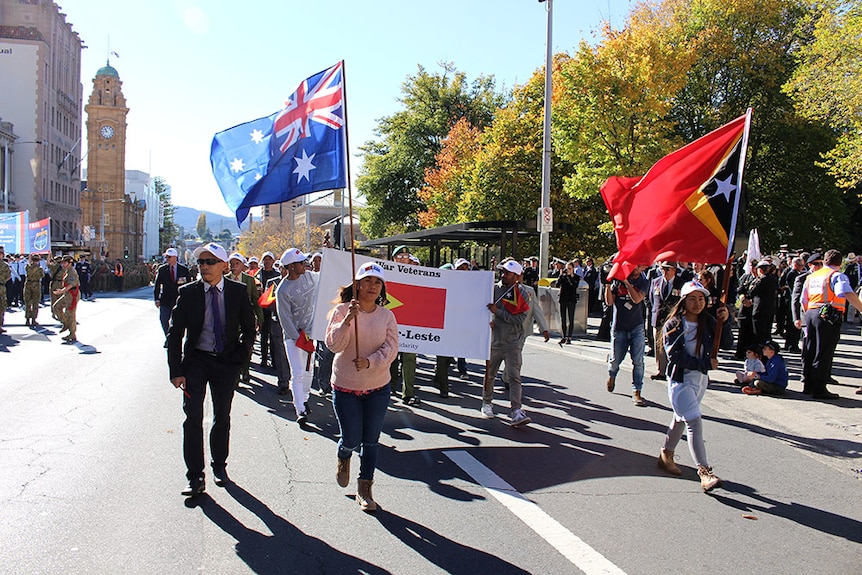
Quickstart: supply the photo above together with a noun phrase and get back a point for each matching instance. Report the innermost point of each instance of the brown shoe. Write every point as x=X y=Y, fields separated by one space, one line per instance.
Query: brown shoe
x=708 y=479
x=342 y=475
x=637 y=399
x=611 y=382
x=363 y=496
x=665 y=462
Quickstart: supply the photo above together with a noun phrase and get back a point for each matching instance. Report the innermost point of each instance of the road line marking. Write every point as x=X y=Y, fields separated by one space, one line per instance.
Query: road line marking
x=570 y=545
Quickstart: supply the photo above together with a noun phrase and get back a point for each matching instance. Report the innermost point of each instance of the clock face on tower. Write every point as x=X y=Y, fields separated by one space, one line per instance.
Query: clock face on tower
x=107 y=132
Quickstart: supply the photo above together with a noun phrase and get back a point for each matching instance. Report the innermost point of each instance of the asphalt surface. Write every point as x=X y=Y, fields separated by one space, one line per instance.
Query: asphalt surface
x=91 y=469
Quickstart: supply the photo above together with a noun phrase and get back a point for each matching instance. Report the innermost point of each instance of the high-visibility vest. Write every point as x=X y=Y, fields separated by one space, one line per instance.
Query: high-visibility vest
x=119 y=270
x=820 y=290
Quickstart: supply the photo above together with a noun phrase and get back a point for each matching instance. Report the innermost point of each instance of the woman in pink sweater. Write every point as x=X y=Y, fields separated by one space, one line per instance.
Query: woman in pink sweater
x=360 y=383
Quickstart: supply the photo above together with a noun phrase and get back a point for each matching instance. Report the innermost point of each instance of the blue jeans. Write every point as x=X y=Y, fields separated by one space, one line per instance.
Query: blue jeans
x=360 y=419
x=632 y=341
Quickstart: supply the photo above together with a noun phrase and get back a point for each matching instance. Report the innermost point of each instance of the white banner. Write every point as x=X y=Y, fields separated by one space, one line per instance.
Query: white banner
x=439 y=312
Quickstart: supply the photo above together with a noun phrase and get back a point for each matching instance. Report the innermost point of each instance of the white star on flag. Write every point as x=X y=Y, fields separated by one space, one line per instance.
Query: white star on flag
x=724 y=188
x=256 y=136
x=304 y=166
x=257 y=176
x=236 y=165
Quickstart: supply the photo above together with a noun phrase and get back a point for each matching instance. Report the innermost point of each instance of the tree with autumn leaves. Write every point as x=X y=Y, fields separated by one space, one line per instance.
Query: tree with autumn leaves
x=677 y=70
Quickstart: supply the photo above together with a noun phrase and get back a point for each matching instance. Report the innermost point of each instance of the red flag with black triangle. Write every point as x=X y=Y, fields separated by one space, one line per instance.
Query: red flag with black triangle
x=685 y=208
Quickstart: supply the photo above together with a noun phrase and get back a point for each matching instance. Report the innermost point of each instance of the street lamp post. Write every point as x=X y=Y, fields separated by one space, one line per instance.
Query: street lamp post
x=544 y=235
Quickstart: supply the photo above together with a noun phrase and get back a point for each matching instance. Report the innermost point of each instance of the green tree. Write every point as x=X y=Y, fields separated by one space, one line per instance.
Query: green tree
x=201 y=225
x=827 y=83
x=168 y=231
x=394 y=164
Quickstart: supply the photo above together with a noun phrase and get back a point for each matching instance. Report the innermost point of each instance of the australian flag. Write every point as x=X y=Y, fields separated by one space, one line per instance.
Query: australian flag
x=296 y=151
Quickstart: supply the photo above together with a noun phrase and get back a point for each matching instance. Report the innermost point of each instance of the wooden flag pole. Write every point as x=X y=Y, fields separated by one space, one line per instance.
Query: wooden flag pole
x=349 y=202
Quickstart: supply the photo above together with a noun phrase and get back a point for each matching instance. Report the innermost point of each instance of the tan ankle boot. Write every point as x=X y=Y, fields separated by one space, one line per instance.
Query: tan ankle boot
x=708 y=479
x=342 y=475
x=363 y=495
x=665 y=461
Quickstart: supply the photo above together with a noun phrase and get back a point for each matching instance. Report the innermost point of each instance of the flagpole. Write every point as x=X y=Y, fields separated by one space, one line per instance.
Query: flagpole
x=349 y=201
x=742 y=152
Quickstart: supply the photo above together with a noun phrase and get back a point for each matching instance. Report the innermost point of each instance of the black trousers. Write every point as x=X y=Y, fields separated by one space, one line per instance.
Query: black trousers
x=203 y=369
x=265 y=333
x=818 y=351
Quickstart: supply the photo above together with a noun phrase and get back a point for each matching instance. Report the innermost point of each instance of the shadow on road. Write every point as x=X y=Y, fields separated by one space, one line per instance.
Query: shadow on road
x=823 y=521
x=287 y=550
x=450 y=556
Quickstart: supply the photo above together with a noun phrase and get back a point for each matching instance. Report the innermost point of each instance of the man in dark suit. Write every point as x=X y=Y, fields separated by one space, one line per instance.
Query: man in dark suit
x=215 y=316
x=169 y=278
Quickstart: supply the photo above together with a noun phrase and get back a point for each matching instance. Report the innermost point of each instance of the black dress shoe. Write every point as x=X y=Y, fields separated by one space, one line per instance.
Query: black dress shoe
x=825 y=395
x=196 y=487
x=658 y=377
x=221 y=477
x=302 y=418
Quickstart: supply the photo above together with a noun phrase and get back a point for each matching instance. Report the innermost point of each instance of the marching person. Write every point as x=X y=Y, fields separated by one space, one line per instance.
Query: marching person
x=664 y=295
x=214 y=316
x=626 y=297
x=170 y=277
x=264 y=275
x=118 y=275
x=361 y=380
x=688 y=336
x=507 y=330
x=67 y=298
x=294 y=300
x=34 y=274
x=237 y=265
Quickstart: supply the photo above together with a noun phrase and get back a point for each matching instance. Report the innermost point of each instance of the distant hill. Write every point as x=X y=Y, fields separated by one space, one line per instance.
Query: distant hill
x=188 y=218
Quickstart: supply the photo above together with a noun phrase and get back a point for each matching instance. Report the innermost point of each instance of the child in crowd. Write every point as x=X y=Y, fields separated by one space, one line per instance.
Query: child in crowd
x=753 y=366
x=773 y=381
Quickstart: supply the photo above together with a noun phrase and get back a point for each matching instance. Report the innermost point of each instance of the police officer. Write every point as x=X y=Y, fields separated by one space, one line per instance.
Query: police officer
x=85 y=271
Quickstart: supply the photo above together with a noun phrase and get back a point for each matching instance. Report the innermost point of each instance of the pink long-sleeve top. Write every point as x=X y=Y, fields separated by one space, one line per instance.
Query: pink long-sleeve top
x=378 y=341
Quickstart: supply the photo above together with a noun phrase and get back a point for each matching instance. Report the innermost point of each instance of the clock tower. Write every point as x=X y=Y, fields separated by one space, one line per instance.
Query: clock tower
x=115 y=217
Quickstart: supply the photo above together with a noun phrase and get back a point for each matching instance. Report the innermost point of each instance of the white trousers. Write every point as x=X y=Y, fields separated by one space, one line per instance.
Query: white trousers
x=300 y=379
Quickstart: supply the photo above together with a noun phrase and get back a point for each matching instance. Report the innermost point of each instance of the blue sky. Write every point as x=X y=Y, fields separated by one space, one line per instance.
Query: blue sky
x=191 y=68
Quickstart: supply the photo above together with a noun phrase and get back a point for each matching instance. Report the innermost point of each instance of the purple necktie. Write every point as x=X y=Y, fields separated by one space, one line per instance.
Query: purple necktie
x=218 y=329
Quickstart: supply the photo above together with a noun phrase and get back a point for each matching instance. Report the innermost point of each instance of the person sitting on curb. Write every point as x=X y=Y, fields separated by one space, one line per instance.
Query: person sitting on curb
x=772 y=381
x=753 y=365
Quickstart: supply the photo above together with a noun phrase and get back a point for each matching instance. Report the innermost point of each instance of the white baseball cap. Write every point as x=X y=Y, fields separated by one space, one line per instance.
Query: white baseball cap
x=370 y=269
x=171 y=252
x=512 y=266
x=460 y=262
x=213 y=248
x=292 y=256
x=237 y=256
x=691 y=287
x=270 y=254
x=253 y=260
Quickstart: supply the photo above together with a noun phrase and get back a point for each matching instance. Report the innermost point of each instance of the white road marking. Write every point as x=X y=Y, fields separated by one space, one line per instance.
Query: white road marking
x=570 y=545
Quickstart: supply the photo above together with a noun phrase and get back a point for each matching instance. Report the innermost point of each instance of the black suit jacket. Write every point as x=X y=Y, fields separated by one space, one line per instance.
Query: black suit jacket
x=165 y=289
x=188 y=320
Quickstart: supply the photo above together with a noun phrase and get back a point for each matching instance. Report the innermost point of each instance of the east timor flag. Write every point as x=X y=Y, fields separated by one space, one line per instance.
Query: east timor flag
x=685 y=207
x=418 y=306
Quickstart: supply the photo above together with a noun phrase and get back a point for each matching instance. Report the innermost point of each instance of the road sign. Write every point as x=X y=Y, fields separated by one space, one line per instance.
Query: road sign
x=546 y=220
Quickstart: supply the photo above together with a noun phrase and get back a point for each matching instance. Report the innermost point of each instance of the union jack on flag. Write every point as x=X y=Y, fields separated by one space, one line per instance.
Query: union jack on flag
x=317 y=99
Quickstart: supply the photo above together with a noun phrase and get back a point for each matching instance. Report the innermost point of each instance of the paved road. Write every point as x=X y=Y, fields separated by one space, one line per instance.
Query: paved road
x=90 y=444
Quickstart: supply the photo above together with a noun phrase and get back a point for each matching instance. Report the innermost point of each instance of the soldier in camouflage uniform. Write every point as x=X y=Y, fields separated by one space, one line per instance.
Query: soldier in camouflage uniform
x=33 y=289
x=67 y=298
x=5 y=276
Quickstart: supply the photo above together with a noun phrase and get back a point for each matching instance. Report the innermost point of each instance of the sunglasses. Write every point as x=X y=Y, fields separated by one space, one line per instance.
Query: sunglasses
x=208 y=262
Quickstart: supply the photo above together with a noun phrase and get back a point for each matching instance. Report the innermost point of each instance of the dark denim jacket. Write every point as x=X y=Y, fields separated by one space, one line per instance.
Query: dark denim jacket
x=679 y=359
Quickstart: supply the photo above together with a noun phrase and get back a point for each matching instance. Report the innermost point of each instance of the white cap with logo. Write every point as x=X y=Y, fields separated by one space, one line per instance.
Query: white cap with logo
x=171 y=252
x=216 y=250
x=292 y=256
x=370 y=269
x=511 y=266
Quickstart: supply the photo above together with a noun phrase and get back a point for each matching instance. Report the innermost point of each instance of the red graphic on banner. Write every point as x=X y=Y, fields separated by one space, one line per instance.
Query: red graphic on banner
x=417 y=306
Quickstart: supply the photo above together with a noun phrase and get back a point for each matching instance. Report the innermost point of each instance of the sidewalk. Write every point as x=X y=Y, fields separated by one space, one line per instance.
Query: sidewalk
x=829 y=431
